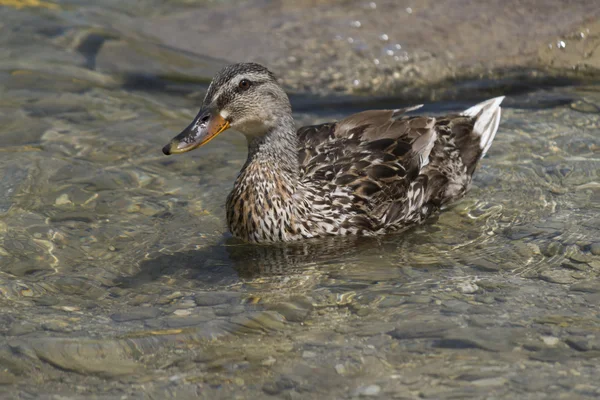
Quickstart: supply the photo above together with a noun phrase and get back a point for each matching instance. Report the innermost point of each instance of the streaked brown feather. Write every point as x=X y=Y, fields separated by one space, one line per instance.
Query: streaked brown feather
x=374 y=157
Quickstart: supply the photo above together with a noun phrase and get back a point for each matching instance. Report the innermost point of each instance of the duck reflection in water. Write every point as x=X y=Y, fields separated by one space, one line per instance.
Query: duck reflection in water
x=232 y=260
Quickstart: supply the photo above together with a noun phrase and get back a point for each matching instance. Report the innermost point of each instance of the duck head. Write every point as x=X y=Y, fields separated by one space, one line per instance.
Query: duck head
x=245 y=97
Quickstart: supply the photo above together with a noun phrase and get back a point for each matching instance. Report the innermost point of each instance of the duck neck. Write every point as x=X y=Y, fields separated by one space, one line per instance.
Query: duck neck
x=261 y=205
x=276 y=152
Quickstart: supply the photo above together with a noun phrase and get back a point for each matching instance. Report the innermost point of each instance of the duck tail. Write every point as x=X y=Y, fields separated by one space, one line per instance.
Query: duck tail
x=487 y=118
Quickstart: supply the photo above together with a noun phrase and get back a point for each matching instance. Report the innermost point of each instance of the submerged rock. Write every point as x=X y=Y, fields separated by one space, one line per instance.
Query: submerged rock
x=422 y=329
x=368 y=391
x=343 y=47
x=108 y=359
x=137 y=314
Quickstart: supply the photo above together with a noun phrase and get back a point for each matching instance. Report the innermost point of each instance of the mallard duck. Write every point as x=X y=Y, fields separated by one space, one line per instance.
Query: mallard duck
x=374 y=172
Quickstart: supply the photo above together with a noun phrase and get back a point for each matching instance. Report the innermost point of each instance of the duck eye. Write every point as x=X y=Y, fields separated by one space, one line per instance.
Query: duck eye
x=245 y=84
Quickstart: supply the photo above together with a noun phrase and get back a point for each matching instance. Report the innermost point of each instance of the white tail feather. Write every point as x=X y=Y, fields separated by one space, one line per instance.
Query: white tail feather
x=487 y=116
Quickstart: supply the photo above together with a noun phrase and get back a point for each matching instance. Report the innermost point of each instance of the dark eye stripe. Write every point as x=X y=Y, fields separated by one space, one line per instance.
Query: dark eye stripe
x=227 y=96
x=253 y=84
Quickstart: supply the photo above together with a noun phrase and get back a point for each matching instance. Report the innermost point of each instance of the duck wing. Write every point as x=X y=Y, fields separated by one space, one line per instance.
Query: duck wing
x=364 y=144
x=365 y=164
x=388 y=170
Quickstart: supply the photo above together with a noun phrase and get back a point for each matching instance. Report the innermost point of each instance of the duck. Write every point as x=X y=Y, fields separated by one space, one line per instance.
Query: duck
x=372 y=173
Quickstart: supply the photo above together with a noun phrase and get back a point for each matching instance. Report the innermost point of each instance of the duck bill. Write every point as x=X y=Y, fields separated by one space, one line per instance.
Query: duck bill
x=202 y=130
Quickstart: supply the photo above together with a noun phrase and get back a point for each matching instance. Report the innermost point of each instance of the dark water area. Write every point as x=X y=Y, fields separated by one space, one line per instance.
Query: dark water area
x=119 y=280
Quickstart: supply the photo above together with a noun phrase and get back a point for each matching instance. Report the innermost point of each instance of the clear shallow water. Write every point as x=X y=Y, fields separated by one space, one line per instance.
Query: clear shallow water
x=118 y=278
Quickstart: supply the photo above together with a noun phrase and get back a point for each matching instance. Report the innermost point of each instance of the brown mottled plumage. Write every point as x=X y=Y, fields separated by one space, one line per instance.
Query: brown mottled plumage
x=373 y=172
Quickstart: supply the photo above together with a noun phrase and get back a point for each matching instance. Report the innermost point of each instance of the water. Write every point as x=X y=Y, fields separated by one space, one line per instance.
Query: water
x=118 y=277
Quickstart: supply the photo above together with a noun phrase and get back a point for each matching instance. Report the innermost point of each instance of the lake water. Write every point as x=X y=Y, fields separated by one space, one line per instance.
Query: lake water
x=118 y=278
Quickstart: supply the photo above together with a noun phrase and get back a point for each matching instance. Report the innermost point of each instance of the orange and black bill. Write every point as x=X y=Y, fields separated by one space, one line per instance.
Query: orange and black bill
x=202 y=130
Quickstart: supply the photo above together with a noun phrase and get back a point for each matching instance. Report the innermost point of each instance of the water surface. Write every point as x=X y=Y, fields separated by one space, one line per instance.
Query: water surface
x=118 y=277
